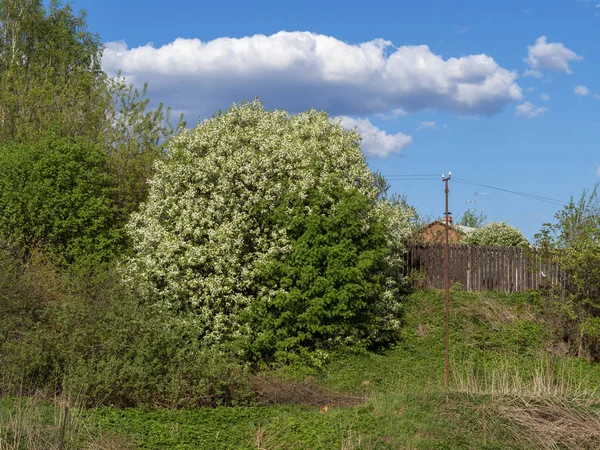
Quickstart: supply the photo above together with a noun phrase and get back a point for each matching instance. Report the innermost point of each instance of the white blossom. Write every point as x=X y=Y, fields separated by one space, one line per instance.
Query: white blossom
x=203 y=233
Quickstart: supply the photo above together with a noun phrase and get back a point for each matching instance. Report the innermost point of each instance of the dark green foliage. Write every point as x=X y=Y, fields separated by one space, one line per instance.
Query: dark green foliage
x=331 y=283
x=55 y=194
x=84 y=332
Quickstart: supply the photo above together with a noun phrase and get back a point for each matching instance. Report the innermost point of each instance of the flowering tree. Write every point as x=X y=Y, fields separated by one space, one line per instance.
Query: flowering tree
x=497 y=233
x=260 y=221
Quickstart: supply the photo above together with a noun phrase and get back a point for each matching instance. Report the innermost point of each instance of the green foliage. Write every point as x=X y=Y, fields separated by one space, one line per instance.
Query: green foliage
x=51 y=78
x=82 y=331
x=498 y=234
x=214 y=428
x=330 y=286
x=55 y=194
x=239 y=194
x=135 y=137
x=50 y=72
x=573 y=244
x=470 y=218
x=400 y=421
x=500 y=377
x=494 y=336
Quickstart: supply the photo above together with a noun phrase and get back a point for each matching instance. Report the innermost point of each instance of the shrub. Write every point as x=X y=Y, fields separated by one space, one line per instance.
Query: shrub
x=329 y=286
x=86 y=333
x=572 y=243
x=55 y=194
x=498 y=234
x=242 y=203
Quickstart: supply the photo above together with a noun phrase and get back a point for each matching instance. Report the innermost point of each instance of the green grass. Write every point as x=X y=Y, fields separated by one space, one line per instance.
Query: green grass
x=507 y=391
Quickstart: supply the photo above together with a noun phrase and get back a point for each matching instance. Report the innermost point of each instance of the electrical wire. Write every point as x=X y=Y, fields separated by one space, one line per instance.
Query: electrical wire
x=540 y=198
x=435 y=176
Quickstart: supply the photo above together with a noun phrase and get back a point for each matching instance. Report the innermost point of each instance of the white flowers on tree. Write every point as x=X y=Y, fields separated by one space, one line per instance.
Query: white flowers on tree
x=205 y=231
x=497 y=233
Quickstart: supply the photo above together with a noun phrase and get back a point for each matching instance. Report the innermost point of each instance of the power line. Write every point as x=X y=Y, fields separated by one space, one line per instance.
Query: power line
x=522 y=194
x=434 y=176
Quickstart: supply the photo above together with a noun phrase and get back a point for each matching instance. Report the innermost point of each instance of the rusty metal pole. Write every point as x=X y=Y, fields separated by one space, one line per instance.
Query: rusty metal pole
x=447 y=263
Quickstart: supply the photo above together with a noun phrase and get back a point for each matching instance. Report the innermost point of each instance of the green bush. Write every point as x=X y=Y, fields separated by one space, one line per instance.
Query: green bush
x=572 y=243
x=329 y=287
x=83 y=331
x=27 y=286
x=55 y=194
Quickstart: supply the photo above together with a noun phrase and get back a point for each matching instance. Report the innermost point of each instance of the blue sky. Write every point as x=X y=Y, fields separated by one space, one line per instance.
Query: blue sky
x=505 y=94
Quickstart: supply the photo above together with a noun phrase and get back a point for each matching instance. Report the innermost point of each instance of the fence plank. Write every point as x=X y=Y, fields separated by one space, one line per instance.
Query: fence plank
x=479 y=268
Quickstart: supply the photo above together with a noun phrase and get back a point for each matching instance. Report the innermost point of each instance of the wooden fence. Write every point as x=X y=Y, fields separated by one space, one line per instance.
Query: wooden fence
x=481 y=268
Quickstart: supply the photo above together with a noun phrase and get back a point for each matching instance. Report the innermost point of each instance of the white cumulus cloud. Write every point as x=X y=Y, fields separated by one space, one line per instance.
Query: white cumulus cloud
x=551 y=56
x=530 y=111
x=376 y=143
x=302 y=70
x=545 y=97
x=582 y=90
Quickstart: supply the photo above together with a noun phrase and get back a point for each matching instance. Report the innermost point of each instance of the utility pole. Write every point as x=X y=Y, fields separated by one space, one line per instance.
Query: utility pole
x=446 y=179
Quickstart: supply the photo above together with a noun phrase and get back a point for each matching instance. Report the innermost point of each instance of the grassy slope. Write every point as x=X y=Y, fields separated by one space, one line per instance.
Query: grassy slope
x=506 y=391
x=500 y=370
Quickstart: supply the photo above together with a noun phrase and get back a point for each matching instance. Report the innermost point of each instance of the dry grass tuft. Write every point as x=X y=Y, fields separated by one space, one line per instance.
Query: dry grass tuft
x=554 y=424
x=354 y=441
x=546 y=380
x=34 y=424
x=422 y=330
x=494 y=311
x=550 y=408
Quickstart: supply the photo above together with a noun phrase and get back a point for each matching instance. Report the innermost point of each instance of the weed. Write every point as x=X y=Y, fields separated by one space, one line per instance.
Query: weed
x=32 y=423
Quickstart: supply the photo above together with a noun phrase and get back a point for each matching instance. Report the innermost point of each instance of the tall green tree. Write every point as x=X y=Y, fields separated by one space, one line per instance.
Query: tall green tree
x=50 y=72
x=51 y=78
x=135 y=136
